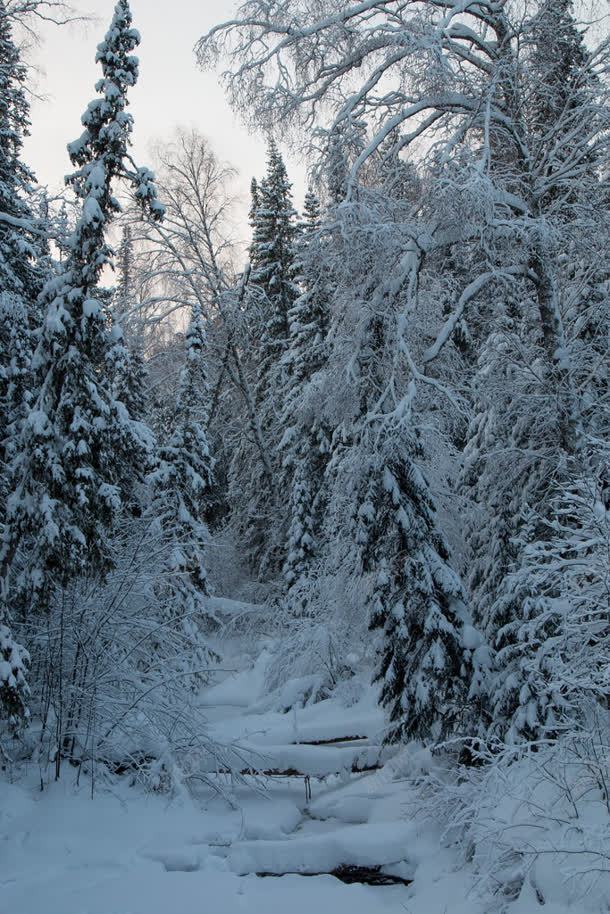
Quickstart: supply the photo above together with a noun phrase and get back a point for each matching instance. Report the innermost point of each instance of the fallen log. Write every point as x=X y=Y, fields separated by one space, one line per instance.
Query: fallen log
x=362 y=875
x=329 y=742
x=294 y=773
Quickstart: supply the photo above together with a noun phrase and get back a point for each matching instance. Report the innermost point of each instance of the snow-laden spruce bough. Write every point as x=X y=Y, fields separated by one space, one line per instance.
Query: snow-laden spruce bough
x=384 y=443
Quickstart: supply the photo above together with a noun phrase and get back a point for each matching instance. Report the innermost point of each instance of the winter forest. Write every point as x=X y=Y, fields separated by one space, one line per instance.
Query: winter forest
x=305 y=521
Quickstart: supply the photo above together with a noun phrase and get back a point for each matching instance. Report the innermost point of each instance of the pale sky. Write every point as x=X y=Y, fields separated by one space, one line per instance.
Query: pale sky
x=172 y=90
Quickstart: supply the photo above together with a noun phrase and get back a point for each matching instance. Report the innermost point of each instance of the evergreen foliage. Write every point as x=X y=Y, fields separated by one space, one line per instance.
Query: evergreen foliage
x=14 y=689
x=79 y=454
x=407 y=388
x=272 y=257
x=417 y=600
x=271 y=292
x=305 y=444
x=183 y=482
x=20 y=274
x=20 y=282
x=126 y=356
x=19 y=235
x=466 y=215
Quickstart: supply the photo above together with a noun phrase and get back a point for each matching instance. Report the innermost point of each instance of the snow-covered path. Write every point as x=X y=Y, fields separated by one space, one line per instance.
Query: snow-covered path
x=124 y=852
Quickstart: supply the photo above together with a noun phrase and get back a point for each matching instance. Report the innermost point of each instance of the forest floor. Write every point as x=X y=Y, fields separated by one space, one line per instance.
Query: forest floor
x=122 y=851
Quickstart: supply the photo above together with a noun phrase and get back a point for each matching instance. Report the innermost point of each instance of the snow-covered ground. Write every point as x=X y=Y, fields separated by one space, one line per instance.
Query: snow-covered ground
x=122 y=851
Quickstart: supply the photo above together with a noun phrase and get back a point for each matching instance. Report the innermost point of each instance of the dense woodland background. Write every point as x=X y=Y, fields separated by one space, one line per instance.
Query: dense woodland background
x=388 y=433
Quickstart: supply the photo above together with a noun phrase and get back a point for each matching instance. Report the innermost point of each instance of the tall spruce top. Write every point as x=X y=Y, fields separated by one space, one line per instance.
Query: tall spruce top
x=80 y=455
x=18 y=251
x=102 y=152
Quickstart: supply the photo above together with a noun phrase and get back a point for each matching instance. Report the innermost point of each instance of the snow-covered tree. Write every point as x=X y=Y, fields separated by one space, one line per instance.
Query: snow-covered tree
x=20 y=275
x=458 y=72
x=309 y=315
x=126 y=357
x=183 y=483
x=14 y=690
x=553 y=651
x=270 y=289
x=518 y=452
x=20 y=283
x=497 y=239
x=16 y=341
x=417 y=599
x=305 y=444
x=18 y=231
x=272 y=276
x=79 y=453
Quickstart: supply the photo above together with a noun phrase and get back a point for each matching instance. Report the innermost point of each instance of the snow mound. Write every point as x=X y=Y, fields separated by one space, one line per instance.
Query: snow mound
x=311 y=761
x=356 y=845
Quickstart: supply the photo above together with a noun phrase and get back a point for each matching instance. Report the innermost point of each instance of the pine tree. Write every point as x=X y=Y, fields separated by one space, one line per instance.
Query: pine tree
x=79 y=453
x=309 y=316
x=255 y=202
x=343 y=145
x=183 y=482
x=16 y=343
x=61 y=231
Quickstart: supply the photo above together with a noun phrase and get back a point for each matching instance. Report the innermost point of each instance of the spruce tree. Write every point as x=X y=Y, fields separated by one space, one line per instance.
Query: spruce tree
x=14 y=690
x=344 y=143
x=183 y=482
x=309 y=316
x=559 y=62
x=255 y=201
x=16 y=343
x=79 y=453
x=271 y=292
x=126 y=357
x=20 y=275
x=417 y=601
x=20 y=284
x=305 y=444
x=552 y=656
x=272 y=256
x=18 y=231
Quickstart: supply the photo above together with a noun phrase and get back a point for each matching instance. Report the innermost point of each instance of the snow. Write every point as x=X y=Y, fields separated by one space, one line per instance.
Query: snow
x=122 y=851
x=313 y=761
x=248 y=792
x=92 y=213
x=91 y=307
x=358 y=845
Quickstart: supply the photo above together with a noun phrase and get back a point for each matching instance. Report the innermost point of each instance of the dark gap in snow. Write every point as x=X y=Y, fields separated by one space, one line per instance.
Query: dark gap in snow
x=362 y=875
